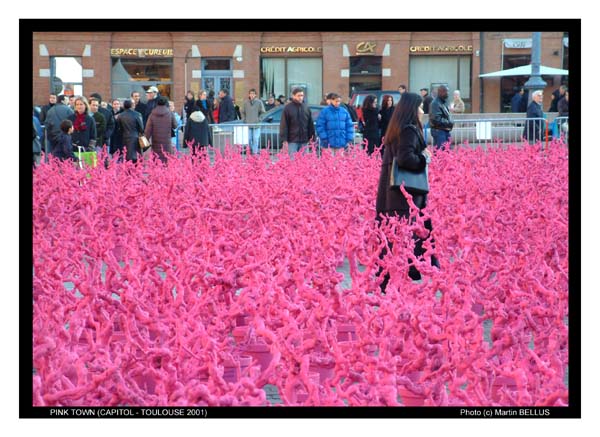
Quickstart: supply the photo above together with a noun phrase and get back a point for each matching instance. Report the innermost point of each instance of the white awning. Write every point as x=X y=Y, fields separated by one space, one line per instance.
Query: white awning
x=525 y=70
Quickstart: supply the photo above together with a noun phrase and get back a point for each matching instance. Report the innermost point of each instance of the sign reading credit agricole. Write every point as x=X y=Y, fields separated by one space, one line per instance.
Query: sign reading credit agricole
x=440 y=49
x=141 y=52
x=290 y=49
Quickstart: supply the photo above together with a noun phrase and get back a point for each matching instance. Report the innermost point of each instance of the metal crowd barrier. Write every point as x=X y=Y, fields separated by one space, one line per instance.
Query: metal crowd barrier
x=490 y=131
x=238 y=136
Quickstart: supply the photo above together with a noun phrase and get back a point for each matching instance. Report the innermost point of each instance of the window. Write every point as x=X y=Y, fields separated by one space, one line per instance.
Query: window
x=365 y=73
x=511 y=84
x=279 y=76
x=132 y=74
x=66 y=76
x=455 y=71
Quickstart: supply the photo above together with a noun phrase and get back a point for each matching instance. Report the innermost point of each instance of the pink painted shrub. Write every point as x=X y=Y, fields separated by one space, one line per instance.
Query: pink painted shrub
x=198 y=284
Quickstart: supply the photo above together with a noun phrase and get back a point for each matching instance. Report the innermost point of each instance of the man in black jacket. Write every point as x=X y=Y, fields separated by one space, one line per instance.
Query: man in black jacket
x=108 y=117
x=226 y=108
x=535 y=127
x=130 y=124
x=427 y=99
x=46 y=108
x=137 y=104
x=440 y=120
x=296 y=127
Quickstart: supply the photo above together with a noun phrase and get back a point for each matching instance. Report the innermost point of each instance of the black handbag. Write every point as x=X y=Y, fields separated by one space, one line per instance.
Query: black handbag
x=414 y=183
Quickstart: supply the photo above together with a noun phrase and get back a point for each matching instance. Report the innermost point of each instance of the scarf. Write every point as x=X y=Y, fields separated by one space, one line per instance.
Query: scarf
x=79 y=124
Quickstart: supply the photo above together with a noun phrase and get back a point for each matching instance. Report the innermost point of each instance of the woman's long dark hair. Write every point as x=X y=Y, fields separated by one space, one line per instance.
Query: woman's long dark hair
x=384 y=102
x=406 y=112
x=368 y=103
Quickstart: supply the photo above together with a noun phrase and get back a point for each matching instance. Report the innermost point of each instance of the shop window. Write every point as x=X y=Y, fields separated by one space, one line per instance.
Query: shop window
x=280 y=75
x=132 y=74
x=365 y=73
x=454 y=71
x=66 y=76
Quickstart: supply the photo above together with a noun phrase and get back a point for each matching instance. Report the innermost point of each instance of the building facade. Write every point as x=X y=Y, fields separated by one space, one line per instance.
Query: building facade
x=116 y=63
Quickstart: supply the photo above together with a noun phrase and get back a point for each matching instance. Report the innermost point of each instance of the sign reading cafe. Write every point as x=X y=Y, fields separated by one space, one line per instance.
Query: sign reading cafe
x=141 y=52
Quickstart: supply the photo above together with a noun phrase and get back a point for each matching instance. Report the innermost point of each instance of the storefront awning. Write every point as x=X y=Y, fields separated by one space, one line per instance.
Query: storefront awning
x=525 y=70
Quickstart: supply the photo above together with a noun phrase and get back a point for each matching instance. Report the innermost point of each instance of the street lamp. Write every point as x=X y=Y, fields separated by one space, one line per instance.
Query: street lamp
x=535 y=81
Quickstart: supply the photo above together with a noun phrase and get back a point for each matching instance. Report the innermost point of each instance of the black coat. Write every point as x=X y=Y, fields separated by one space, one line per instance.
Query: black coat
x=196 y=129
x=371 y=131
x=534 y=130
x=116 y=139
x=296 y=125
x=439 y=116
x=188 y=107
x=351 y=111
x=110 y=122
x=386 y=115
x=85 y=138
x=141 y=109
x=408 y=154
x=226 y=110
x=427 y=103
x=131 y=126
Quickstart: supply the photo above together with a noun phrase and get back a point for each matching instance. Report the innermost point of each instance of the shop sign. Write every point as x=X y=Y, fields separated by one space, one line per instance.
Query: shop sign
x=514 y=43
x=441 y=49
x=365 y=47
x=141 y=52
x=290 y=49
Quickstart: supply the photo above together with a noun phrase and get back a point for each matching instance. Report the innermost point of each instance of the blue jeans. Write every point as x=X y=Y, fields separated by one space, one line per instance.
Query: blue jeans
x=294 y=148
x=254 y=139
x=439 y=138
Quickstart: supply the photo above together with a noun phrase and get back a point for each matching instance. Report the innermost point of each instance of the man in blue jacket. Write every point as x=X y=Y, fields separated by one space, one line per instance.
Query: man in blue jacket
x=334 y=125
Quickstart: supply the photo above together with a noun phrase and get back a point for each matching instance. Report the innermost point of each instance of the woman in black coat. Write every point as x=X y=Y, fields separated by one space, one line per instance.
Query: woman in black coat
x=84 y=126
x=385 y=114
x=405 y=142
x=370 y=123
x=196 y=130
x=189 y=104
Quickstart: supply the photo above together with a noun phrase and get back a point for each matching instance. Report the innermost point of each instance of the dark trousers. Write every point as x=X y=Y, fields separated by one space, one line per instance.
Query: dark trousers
x=418 y=250
x=440 y=137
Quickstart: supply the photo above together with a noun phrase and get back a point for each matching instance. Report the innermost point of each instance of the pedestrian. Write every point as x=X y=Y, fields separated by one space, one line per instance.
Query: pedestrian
x=402 y=89
x=563 y=105
x=151 y=102
x=116 y=139
x=63 y=148
x=72 y=102
x=405 y=142
x=196 y=129
x=371 y=123
x=226 y=107
x=334 y=125
x=296 y=127
x=515 y=102
x=535 y=125
x=440 y=121
x=59 y=112
x=131 y=126
x=270 y=103
x=251 y=111
x=427 y=99
x=457 y=106
x=556 y=97
x=84 y=126
x=108 y=117
x=137 y=104
x=46 y=108
x=100 y=123
x=188 y=105
x=353 y=115
x=37 y=140
x=158 y=129
x=385 y=114
x=175 y=132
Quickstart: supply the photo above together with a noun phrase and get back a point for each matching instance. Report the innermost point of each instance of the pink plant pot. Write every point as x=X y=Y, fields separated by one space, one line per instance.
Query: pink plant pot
x=410 y=399
x=240 y=333
x=502 y=382
x=259 y=352
x=346 y=332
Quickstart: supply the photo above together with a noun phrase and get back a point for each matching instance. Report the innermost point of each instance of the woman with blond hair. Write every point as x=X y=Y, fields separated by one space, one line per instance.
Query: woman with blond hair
x=457 y=106
x=84 y=125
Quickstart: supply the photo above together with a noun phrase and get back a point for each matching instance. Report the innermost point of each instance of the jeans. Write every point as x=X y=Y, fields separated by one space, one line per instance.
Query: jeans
x=294 y=148
x=439 y=138
x=254 y=139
